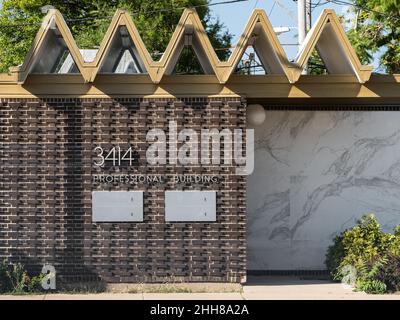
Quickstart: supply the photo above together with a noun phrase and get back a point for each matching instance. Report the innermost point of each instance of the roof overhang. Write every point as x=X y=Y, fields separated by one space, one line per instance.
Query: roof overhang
x=327 y=36
x=251 y=87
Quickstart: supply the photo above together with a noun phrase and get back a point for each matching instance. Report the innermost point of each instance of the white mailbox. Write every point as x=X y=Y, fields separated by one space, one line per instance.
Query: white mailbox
x=190 y=206
x=117 y=206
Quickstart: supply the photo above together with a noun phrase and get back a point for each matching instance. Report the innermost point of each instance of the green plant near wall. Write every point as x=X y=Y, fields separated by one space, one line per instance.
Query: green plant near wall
x=389 y=273
x=370 y=251
x=364 y=242
x=15 y=279
x=5 y=285
x=367 y=276
x=18 y=277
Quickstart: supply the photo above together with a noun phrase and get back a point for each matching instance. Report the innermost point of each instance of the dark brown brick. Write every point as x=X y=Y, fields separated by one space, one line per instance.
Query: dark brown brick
x=46 y=172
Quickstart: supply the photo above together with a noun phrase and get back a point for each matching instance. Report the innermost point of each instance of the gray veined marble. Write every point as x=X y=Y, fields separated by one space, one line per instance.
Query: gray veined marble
x=316 y=173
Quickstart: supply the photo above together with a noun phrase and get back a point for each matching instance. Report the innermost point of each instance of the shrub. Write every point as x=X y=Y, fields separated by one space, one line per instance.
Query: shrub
x=15 y=279
x=389 y=273
x=334 y=257
x=5 y=285
x=373 y=254
x=365 y=242
x=371 y=286
x=367 y=276
x=35 y=283
x=395 y=247
x=18 y=278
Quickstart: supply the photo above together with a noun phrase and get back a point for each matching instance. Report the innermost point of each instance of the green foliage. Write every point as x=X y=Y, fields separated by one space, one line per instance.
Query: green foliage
x=364 y=242
x=156 y=20
x=5 y=285
x=334 y=256
x=18 y=278
x=15 y=279
x=389 y=273
x=188 y=63
x=371 y=286
x=367 y=276
x=370 y=251
x=35 y=283
x=376 y=27
x=315 y=64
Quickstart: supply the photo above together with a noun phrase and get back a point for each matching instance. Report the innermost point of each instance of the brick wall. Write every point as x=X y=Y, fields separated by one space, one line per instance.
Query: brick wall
x=47 y=170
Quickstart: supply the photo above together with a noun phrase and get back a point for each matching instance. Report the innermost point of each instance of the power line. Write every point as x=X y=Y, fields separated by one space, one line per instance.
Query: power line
x=384 y=15
x=191 y=7
x=272 y=9
x=288 y=11
x=346 y=3
x=318 y=4
x=15 y=25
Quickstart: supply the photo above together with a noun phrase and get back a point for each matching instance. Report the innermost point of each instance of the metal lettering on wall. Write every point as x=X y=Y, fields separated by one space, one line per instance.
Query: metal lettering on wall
x=190 y=206
x=113 y=206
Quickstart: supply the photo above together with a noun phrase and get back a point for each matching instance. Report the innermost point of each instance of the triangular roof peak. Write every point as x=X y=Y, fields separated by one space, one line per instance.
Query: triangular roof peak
x=53 y=34
x=122 y=19
x=260 y=34
x=328 y=37
x=189 y=31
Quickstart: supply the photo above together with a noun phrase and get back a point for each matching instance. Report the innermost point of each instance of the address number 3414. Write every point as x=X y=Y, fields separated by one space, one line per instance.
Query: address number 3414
x=115 y=155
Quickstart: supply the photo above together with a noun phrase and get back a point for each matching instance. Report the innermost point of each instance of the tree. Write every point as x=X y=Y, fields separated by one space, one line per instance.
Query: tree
x=376 y=27
x=89 y=20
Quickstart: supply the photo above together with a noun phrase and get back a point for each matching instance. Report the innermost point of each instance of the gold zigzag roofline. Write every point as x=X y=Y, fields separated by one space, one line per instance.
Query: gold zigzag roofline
x=327 y=36
x=335 y=37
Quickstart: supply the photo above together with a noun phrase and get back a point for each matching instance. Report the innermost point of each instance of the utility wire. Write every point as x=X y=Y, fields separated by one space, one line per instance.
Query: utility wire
x=384 y=15
x=318 y=4
x=192 y=7
x=347 y=3
x=272 y=9
x=288 y=11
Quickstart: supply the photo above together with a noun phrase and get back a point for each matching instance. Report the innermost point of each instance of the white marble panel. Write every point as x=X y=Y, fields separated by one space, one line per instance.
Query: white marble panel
x=316 y=173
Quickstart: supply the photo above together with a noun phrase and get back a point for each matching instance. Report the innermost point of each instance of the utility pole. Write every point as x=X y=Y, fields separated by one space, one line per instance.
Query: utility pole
x=308 y=16
x=301 y=20
x=302 y=23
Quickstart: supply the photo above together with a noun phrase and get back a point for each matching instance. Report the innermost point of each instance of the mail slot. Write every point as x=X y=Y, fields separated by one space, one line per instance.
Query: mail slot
x=117 y=206
x=190 y=206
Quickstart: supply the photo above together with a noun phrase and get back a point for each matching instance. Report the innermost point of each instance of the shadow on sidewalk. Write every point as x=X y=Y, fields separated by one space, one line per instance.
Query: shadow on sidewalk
x=262 y=280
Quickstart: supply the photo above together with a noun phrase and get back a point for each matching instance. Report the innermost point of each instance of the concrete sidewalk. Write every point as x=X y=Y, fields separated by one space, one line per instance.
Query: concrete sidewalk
x=257 y=288
x=294 y=288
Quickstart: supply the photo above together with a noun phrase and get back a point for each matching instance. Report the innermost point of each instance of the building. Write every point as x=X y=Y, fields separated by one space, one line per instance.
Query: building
x=79 y=193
